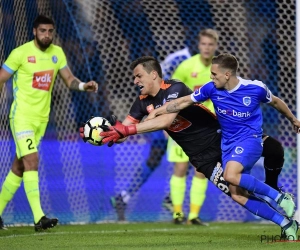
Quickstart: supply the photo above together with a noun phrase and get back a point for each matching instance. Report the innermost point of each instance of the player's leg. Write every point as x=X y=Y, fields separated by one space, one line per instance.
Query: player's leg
x=27 y=136
x=273 y=160
x=263 y=210
x=157 y=151
x=10 y=185
x=239 y=161
x=177 y=190
x=197 y=198
x=178 y=179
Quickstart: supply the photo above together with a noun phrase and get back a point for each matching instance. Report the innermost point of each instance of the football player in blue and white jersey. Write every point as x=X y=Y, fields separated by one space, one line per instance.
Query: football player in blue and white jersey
x=237 y=105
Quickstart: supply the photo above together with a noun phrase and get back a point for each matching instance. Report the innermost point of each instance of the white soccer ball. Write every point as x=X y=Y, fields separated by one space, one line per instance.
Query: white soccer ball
x=92 y=130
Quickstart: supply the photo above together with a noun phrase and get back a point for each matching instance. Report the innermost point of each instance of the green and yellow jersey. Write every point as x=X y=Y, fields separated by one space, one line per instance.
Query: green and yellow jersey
x=34 y=72
x=194 y=74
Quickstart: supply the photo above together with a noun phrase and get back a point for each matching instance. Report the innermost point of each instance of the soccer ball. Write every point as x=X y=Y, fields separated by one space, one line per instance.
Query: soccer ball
x=92 y=130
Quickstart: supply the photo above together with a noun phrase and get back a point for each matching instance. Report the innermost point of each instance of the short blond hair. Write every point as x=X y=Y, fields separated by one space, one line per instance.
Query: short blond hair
x=209 y=33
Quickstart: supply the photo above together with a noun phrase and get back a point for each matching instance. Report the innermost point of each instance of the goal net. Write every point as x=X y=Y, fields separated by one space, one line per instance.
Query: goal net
x=100 y=39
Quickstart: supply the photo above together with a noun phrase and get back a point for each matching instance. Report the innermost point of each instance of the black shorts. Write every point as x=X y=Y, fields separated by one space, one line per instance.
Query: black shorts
x=206 y=161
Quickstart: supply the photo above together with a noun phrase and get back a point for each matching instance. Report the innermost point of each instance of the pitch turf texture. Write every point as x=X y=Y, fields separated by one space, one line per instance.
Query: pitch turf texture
x=147 y=236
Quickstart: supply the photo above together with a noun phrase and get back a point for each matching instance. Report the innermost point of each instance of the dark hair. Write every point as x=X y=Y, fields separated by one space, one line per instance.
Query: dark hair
x=226 y=61
x=149 y=63
x=41 y=19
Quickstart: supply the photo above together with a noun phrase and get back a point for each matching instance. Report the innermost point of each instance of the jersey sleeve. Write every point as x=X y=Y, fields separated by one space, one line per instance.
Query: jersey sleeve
x=137 y=112
x=203 y=93
x=265 y=95
x=62 y=59
x=177 y=90
x=13 y=61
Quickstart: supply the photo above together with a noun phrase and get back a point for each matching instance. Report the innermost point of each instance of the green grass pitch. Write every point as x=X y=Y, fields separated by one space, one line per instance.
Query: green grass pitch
x=158 y=236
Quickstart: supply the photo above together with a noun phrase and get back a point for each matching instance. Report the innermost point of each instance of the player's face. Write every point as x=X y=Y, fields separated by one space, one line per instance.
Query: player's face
x=219 y=76
x=207 y=47
x=43 y=35
x=144 y=80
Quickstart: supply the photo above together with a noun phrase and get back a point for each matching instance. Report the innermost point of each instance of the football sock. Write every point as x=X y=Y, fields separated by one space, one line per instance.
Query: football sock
x=272 y=177
x=263 y=210
x=251 y=184
x=177 y=190
x=31 y=185
x=197 y=196
x=273 y=154
x=9 y=187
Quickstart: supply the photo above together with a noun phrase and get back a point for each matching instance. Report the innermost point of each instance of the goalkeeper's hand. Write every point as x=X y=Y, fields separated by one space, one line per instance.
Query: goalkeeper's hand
x=81 y=131
x=117 y=132
x=112 y=120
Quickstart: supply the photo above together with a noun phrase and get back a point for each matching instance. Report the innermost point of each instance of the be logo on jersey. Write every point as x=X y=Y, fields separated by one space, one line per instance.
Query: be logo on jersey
x=247 y=100
x=42 y=80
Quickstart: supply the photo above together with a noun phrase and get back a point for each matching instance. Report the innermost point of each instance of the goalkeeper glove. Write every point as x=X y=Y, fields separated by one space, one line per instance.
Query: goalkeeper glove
x=117 y=132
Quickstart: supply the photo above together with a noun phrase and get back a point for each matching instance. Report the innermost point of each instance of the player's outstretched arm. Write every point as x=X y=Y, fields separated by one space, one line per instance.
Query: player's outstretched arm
x=171 y=107
x=282 y=107
x=74 y=83
x=120 y=130
x=4 y=76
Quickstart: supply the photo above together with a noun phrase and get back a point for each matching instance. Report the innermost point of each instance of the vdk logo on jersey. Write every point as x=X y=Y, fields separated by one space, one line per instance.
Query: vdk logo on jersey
x=42 y=80
x=247 y=100
x=239 y=150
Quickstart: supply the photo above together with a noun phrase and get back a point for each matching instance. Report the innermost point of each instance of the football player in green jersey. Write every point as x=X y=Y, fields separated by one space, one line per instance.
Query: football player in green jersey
x=35 y=66
x=193 y=72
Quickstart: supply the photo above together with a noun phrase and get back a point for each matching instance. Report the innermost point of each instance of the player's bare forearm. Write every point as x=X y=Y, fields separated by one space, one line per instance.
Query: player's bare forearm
x=172 y=107
x=74 y=85
x=1 y=86
x=90 y=86
x=158 y=123
x=281 y=106
x=179 y=104
x=4 y=76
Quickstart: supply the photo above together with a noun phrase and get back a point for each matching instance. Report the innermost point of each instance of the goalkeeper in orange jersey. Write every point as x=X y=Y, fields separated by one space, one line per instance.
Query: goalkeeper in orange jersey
x=34 y=66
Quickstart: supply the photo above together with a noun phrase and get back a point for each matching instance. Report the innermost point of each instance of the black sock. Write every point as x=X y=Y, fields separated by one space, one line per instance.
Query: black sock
x=273 y=162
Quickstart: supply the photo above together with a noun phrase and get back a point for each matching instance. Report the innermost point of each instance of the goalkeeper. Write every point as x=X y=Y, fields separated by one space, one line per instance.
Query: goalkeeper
x=34 y=65
x=195 y=129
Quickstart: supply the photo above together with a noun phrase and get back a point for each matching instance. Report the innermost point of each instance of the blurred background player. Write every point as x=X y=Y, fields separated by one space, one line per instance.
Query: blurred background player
x=34 y=65
x=193 y=72
x=158 y=146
